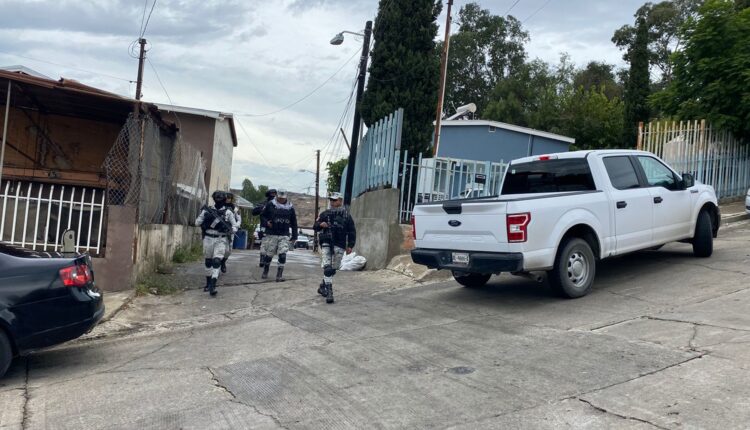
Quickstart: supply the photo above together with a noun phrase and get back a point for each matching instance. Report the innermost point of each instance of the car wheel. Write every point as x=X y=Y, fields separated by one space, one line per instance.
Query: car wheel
x=574 y=270
x=471 y=280
x=703 y=240
x=6 y=353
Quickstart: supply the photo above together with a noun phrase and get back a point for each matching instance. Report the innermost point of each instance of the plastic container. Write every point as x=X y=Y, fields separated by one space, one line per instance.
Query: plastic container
x=240 y=240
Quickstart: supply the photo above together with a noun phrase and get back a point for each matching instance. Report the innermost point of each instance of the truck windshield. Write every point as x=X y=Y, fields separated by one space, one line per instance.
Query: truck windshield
x=549 y=176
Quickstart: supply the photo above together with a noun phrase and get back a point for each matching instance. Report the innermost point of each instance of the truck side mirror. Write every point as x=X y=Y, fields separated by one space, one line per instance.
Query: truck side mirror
x=687 y=180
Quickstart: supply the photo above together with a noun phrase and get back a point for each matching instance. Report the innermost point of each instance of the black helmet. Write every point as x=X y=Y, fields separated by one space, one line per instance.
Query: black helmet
x=220 y=197
x=270 y=194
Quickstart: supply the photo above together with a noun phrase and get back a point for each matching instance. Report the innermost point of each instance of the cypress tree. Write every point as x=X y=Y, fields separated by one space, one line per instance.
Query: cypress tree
x=405 y=69
x=637 y=87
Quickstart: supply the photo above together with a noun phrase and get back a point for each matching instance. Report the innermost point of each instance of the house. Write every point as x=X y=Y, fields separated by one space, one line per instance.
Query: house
x=494 y=141
x=124 y=176
x=212 y=133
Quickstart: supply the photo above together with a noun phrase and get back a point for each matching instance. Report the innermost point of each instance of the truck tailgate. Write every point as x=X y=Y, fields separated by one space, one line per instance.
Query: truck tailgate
x=467 y=225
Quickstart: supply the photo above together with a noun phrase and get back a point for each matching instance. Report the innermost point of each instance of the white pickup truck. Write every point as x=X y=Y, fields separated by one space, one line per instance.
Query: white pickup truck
x=561 y=213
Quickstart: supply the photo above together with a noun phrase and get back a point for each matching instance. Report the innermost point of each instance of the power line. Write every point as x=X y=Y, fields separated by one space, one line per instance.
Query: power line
x=159 y=79
x=143 y=17
x=143 y=31
x=536 y=11
x=308 y=94
x=511 y=8
x=237 y=120
x=66 y=65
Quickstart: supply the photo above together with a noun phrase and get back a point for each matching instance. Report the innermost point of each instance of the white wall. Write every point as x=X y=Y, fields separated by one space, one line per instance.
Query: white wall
x=221 y=164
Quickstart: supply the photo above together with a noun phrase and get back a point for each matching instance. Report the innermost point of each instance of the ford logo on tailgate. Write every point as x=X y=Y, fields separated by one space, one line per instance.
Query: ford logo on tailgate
x=454 y=223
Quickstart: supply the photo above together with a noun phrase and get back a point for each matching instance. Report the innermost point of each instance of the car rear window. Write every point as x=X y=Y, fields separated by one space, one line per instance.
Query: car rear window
x=549 y=176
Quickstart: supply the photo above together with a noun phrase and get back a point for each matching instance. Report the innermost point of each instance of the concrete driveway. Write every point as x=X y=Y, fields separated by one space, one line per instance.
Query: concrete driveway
x=663 y=341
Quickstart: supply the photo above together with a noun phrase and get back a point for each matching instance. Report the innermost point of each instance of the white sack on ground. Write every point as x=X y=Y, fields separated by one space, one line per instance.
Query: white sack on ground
x=353 y=262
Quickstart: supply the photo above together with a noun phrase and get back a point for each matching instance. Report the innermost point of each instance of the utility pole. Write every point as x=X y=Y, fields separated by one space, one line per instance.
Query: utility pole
x=443 y=77
x=141 y=121
x=317 y=196
x=357 y=114
x=139 y=81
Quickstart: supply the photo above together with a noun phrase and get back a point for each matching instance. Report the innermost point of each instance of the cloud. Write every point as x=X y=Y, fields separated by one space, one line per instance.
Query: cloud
x=252 y=57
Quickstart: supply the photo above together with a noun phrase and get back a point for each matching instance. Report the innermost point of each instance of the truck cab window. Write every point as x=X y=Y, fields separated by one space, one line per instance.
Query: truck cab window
x=549 y=176
x=657 y=174
x=621 y=172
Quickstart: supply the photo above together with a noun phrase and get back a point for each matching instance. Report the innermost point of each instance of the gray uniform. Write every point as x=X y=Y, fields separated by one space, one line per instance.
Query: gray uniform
x=238 y=219
x=216 y=241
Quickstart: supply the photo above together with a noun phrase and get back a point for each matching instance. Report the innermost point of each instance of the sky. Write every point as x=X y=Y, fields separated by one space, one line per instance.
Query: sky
x=269 y=63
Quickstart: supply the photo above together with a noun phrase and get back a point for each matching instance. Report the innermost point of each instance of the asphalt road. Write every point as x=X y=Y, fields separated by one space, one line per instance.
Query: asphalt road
x=663 y=341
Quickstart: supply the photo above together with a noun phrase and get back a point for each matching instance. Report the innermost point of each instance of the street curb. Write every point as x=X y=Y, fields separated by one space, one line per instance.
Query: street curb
x=109 y=315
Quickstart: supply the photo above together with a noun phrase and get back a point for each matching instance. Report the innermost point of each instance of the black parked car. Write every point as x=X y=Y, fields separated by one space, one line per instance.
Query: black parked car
x=45 y=299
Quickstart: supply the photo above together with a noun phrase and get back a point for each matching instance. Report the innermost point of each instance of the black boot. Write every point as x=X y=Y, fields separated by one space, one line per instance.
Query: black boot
x=262 y=260
x=280 y=275
x=223 y=265
x=329 y=295
x=212 y=287
x=266 y=267
x=208 y=282
x=322 y=290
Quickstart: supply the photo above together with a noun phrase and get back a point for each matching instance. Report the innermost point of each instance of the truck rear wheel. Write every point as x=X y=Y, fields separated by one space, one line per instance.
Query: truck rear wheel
x=470 y=279
x=6 y=353
x=574 y=270
x=703 y=240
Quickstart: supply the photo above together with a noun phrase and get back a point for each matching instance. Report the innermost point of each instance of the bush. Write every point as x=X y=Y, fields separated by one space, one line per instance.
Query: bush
x=187 y=254
x=155 y=285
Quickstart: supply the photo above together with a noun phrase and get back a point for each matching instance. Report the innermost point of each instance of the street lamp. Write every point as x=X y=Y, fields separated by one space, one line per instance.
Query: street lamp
x=338 y=40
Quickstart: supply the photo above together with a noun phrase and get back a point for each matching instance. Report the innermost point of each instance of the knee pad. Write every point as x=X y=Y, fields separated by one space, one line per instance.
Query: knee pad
x=216 y=263
x=208 y=263
x=282 y=258
x=329 y=270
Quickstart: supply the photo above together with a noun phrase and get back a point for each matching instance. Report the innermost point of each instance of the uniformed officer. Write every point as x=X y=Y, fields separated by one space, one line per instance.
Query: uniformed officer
x=236 y=211
x=218 y=223
x=258 y=211
x=337 y=235
x=281 y=221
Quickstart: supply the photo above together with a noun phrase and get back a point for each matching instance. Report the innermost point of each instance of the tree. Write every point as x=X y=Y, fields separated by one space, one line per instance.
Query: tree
x=598 y=75
x=593 y=118
x=533 y=96
x=404 y=72
x=252 y=194
x=637 y=86
x=335 y=170
x=664 y=20
x=486 y=49
x=712 y=73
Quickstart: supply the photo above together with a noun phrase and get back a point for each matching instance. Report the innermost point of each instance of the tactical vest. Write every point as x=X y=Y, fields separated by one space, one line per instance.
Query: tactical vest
x=209 y=218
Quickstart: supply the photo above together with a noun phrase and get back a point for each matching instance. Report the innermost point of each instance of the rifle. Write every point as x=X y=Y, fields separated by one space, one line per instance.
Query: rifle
x=222 y=221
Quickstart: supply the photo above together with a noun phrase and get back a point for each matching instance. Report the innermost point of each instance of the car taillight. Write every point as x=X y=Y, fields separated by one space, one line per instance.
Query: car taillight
x=413 y=227
x=75 y=276
x=516 y=225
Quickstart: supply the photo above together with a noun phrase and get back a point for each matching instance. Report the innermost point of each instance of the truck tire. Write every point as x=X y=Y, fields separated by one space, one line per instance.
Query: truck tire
x=703 y=240
x=574 y=270
x=6 y=353
x=471 y=280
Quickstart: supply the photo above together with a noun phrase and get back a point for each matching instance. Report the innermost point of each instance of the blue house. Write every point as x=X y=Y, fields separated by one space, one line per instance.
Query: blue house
x=495 y=141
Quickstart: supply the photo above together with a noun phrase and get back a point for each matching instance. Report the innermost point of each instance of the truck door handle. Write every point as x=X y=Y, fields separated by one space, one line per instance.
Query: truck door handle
x=658 y=200
x=621 y=205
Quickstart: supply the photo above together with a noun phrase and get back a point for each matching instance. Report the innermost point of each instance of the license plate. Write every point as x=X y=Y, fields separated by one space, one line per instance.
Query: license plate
x=461 y=258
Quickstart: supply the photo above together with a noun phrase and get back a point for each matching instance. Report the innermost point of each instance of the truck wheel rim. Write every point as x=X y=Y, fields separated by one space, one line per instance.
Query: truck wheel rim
x=578 y=269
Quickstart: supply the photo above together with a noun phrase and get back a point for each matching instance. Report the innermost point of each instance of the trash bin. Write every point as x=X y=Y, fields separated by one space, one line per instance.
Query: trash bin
x=240 y=240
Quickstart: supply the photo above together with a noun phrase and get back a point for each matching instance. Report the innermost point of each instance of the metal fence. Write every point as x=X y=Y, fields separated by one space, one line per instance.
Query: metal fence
x=713 y=156
x=163 y=177
x=435 y=179
x=35 y=215
x=378 y=155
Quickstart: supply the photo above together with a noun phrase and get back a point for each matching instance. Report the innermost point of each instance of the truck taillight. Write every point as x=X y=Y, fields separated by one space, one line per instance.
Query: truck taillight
x=517 y=225
x=77 y=275
x=413 y=227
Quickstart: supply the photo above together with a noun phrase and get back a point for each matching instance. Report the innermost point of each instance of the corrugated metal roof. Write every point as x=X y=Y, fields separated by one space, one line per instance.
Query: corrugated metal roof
x=202 y=112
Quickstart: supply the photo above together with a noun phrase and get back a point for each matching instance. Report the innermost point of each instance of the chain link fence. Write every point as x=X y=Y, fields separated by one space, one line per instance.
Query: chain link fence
x=163 y=177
